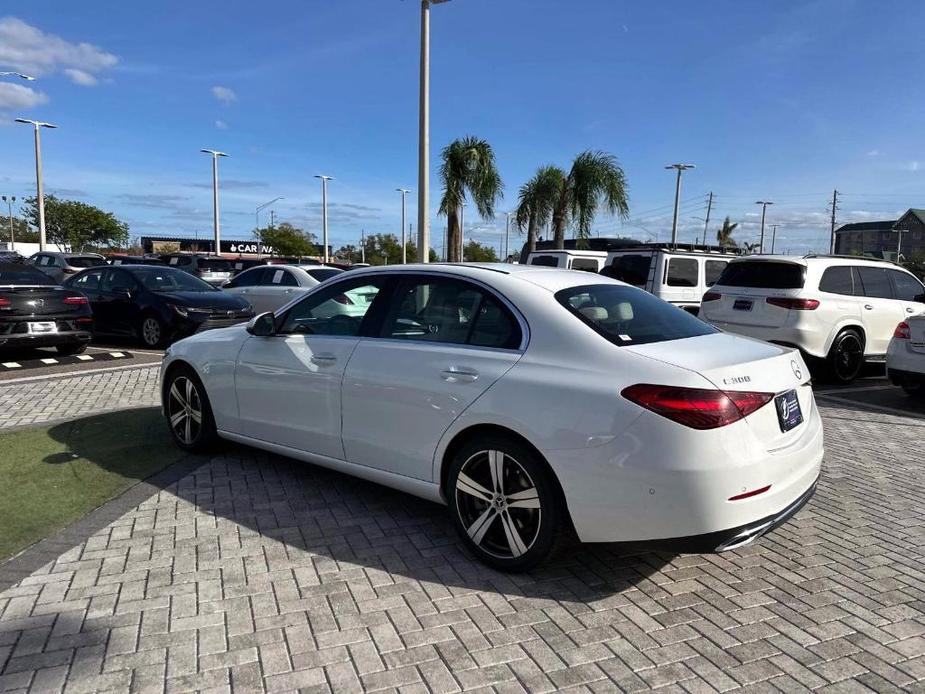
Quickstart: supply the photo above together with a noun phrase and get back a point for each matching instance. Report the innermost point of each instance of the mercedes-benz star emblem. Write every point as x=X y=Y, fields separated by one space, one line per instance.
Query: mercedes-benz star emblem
x=797 y=371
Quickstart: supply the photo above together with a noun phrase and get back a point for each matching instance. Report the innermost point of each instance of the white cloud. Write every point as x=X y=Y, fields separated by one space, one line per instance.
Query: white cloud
x=913 y=166
x=29 y=49
x=221 y=125
x=16 y=96
x=81 y=77
x=224 y=94
x=874 y=153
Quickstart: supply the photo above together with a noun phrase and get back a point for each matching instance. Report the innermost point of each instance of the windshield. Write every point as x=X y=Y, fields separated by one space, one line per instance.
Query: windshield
x=85 y=261
x=629 y=316
x=18 y=274
x=167 y=279
x=762 y=274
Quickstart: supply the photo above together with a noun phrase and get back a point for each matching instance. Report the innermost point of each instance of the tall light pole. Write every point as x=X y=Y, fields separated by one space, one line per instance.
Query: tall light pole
x=28 y=78
x=324 y=213
x=404 y=243
x=216 y=224
x=677 y=199
x=261 y=208
x=39 y=185
x=507 y=233
x=9 y=207
x=764 y=208
x=773 y=237
x=462 y=235
x=424 y=135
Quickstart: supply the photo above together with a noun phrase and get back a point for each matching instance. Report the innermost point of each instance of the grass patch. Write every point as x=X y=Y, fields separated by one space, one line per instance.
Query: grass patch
x=52 y=476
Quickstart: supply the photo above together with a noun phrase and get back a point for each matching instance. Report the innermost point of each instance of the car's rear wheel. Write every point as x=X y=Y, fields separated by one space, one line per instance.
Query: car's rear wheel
x=152 y=332
x=846 y=356
x=504 y=503
x=189 y=414
x=68 y=350
x=916 y=390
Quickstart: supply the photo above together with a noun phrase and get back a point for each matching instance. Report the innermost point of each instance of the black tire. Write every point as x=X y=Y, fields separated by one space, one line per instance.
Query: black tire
x=185 y=402
x=483 y=518
x=70 y=350
x=152 y=332
x=846 y=356
x=914 y=390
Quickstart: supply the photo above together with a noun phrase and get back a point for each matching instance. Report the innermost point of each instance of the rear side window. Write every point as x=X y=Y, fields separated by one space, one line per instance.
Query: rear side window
x=589 y=264
x=837 y=280
x=545 y=261
x=905 y=285
x=763 y=274
x=630 y=316
x=682 y=272
x=713 y=270
x=876 y=282
x=632 y=269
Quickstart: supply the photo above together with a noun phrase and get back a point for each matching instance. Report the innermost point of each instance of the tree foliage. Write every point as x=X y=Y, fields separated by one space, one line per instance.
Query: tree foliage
x=288 y=241
x=21 y=230
x=724 y=234
x=382 y=249
x=595 y=181
x=77 y=226
x=536 y=200
x=474 y=252
x=468 y=166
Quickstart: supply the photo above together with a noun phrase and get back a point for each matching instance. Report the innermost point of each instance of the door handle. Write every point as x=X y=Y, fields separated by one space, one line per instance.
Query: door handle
x=323 y=359
x=457 y=375
x=868 y=307
x=910 y=310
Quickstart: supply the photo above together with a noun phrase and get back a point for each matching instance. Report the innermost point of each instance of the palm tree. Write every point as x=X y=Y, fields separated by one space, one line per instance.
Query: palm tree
x=468 y=165
x=536 y=200
x=724 y=235
x=595 y=179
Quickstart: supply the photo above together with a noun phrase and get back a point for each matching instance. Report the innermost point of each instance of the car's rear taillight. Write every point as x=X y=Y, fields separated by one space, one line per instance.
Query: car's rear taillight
x=794 y=304
x=76 y=300
x=698 y=408
x=69 y=271
x=901 y=332
x=5 y=303
x=343 y=299
x=711 y=296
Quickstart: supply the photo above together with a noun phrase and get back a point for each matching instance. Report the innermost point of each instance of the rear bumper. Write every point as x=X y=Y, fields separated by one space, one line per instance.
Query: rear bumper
x=11 y=342
x=903 y=365
x=807 y=340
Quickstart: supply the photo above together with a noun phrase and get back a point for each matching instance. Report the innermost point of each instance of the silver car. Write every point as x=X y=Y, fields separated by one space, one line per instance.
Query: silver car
x=59 y=266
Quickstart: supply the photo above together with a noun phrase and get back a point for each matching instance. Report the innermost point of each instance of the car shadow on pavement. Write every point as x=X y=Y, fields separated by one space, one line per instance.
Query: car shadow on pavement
x=332 y=522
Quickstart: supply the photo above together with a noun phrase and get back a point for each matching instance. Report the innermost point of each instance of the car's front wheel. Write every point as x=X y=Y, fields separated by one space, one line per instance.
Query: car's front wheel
x=504 y=503
x=152 y=332
x=189 y=414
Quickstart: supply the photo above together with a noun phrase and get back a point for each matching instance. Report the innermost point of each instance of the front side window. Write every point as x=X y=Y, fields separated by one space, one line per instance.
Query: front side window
x=837 y=280
x=683 y=272
x=905 y=285
x=450 y=311
x=338 y=309
x=629 y=316
x=876 y=282
x=713 y=269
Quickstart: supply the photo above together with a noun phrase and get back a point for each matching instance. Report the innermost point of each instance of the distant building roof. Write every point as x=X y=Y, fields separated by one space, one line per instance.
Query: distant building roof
x=870 y=226
x=918 y=213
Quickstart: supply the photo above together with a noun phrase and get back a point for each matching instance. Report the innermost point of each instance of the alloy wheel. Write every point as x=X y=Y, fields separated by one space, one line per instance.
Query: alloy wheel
x=184 y=410
x=498 y=504
x=151 y=331
x=848 y=356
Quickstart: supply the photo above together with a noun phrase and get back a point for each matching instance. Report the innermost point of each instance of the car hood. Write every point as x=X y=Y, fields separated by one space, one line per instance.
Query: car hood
x=216 y=300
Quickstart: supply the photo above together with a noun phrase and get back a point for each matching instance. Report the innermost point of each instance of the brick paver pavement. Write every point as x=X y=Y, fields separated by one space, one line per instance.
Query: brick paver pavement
x=45 y=400
x=258 y=573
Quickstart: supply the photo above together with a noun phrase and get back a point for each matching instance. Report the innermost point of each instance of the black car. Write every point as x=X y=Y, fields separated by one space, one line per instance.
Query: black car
x=36 y=312
x=156 y=304
x=132 y=260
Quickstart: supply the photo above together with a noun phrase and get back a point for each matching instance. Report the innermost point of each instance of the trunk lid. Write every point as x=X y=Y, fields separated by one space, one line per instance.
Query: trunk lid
x=748 y=306
x=734 y=363
x=39 y=301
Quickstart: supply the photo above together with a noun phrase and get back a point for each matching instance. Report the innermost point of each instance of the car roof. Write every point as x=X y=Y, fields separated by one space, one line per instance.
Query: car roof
x=807 y=260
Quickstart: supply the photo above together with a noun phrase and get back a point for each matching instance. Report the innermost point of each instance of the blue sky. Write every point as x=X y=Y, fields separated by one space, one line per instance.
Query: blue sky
x=780 y=101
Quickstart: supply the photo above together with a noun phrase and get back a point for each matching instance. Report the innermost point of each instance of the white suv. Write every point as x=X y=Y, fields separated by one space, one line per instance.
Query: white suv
x=839 y=309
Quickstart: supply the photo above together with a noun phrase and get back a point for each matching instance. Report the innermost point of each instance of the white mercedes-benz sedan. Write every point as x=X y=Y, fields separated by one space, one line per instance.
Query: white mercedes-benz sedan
x=529 y=400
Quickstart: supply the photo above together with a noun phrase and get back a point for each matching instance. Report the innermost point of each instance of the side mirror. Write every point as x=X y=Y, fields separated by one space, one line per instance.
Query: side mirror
x=263 y=325
x=919 y=298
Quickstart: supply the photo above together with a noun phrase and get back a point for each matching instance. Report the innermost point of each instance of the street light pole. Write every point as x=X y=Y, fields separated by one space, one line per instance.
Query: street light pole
x=462 y=242
x=764 y=207
x=216 y=223
x=260 y=209
x=9 y=206
x=677 y=199
x=404 y=243
x=39 y=185
x=507 y=233
x=773 y=237
x=324 y=213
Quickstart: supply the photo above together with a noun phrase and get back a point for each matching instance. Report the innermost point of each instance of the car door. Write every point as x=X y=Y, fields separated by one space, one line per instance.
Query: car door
x=244 y=284
x=88 y=283
x=288 y=386
x=117 y=301
x=444 y=341
x=277 y=286
x=880 y=311
x=906 y=288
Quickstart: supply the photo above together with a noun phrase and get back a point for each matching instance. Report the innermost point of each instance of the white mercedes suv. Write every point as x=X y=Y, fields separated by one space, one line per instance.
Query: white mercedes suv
x=842 y=310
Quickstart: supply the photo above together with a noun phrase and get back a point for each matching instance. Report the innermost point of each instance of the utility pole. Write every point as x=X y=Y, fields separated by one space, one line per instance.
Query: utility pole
x=677 y=199
x=706 y=222
x=462 y=243
x=9 y=206
x=324 y=213
x=411 y=234
x=507 y=234
x=39 y=185
x=832 y=232
x=216 y=223
x=404 y=243
x=773 y=236
x=272 y=219
x=899 y=242
x=363 y=245
x=764 y=206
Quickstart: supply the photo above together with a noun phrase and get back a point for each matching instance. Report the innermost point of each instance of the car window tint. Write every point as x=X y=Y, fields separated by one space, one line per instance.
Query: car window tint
x=84 y=261
x=876 y=282
x=632 y=269
x=763 y=274
x=117 y=279
x=630 y=316
x=18 y=273
x=683 y=272
x=434 y=310
x=495 y=326
x=287 y=279
x=248 y=278
x=323 y=273
x=905 y=285
x=338 y=309
x=837 y=280
x=589 y=264
x=89 y=281
x=712 y=271
x=545 y=261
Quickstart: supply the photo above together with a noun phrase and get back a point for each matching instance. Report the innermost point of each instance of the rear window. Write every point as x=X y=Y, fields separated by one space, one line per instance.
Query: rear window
x=628 y=316
x=84 y=261
x=323 y=273
x=215 y=265
x=632 y=269
x=545 y=261
x=763 y=274
x=19 y=274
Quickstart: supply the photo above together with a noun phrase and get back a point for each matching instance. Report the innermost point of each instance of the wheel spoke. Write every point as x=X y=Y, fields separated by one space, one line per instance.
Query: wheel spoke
x=481 y=525
x=528 y=498
x=177 y=417
x=467 y=485
x=188 y=430
x=496 y=465
x=175 y=392
x=196 y=416
x=189 y=392
x=514 y=540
